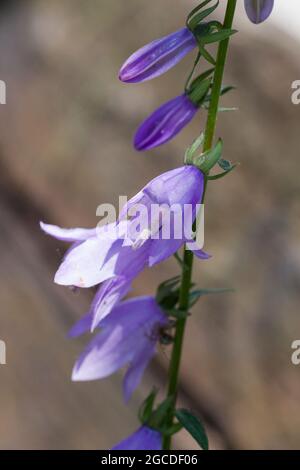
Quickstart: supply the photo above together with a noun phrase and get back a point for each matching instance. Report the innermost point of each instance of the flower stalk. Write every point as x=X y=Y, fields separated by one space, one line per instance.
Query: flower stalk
x=187 y=268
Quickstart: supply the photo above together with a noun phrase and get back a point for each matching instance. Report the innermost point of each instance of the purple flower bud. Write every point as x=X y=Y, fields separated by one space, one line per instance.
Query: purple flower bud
x=158 y=57
x=128 y=337
x=258 y=10
x=144 y=438
x=165 y=123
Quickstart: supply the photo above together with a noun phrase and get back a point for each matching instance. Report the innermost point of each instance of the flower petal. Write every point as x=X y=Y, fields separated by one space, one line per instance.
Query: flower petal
x=258 y=10
x=144 y=438
x=68 y=234
x=109 y=294
x=136 y=370
x=87 y=265
x=158 y=57
x=165 y=123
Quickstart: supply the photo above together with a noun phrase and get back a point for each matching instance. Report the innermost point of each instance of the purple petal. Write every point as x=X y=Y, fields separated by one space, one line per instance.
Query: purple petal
x=144 y=438
x=158 y=57
x=165 y=123
x=105 y=354
x=109 y=294
x=136 y=370
x=183 y=185
x=199 y=253
x=162 y=250
x=87 y=265
x=68 y=234
x=258 y=10
x=81 y=326
x=127 y=333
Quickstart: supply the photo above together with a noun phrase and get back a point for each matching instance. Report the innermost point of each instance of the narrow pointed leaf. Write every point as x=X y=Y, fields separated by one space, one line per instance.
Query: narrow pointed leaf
x=195 y=295
x=192 y=424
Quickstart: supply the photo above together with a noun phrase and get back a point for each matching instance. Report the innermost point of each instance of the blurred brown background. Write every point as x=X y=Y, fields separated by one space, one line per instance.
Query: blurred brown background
x=65 y=147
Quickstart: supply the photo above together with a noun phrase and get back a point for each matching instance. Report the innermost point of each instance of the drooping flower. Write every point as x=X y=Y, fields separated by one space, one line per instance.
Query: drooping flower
x=158 y=57
x=165 y=123
x=144 y=438
x=258 y=10
x=114 y=255
x=175 y=196
x=128 y=336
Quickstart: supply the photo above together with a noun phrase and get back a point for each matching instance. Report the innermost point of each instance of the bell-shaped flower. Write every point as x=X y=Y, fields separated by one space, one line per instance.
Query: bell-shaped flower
x=158 y=57
x=258 y=10
x=128 y=336
x=114 y=255
x=163 y=212
x=165 y=123
x=145 y=438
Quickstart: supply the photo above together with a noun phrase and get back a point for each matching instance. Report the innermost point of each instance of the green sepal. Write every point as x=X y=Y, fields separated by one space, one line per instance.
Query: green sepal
x=190 y=151
x=158 y=416
x=177 y=313
x=167 y=293
x=146 y=408
x=217 y=36
x=174 y=429
x=207 y=160
x=196 y=16
x=195 y=295
x=226 y=166
x=194 y=426
x=198 y=90
x=207 y=56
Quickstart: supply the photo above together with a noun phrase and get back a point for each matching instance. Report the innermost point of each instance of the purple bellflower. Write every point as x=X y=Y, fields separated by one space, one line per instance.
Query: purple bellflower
x=172 y=192
x=144 y=438
x=158 y=57
x=165 y=123
x=114 y=255
x=128 y=336
x=258 y=10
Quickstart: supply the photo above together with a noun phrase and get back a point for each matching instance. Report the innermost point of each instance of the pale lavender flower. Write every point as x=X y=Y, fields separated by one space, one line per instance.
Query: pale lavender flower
x=128 y=336
x=115 y=255
x=158 y=57
x=258 y=10
x=144 y=438
x=165 y=123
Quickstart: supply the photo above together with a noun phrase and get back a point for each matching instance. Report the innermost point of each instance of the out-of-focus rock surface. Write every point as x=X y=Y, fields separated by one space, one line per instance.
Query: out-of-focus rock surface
x=65 y=147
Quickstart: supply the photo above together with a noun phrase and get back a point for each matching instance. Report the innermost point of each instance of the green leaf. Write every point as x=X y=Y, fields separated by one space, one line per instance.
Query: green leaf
x=218 y=36
x=195 y=295
x=192 y=424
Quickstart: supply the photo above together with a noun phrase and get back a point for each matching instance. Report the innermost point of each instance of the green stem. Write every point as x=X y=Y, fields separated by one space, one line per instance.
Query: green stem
x=187 y=268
